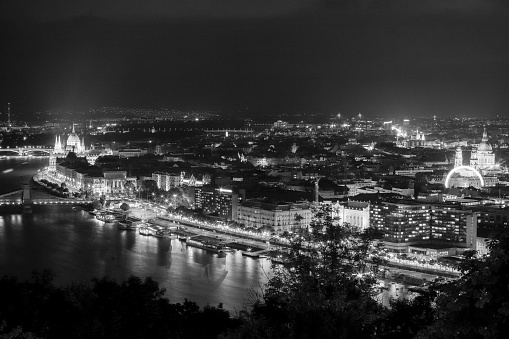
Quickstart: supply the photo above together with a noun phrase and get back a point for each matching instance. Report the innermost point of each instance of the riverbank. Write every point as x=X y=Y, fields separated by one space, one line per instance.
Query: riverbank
x=219 y=235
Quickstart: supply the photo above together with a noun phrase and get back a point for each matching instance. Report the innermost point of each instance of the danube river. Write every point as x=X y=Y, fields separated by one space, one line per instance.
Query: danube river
x=77 y=247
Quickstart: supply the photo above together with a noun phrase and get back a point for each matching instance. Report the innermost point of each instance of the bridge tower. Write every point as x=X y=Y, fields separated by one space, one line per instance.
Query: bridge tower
x=26 y=198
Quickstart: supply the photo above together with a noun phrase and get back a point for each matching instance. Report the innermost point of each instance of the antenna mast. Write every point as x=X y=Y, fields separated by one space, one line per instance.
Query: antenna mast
x=9 y=115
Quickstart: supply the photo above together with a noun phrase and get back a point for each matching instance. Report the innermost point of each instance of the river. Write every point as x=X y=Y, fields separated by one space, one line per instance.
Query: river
x=78 y=247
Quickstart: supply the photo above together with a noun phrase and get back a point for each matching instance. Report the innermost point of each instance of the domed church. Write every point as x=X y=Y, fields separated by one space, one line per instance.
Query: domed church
x=483 y=157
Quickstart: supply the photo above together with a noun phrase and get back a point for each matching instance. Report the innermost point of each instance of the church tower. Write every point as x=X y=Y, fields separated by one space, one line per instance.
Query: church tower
x=483 y=157
x=458 y=159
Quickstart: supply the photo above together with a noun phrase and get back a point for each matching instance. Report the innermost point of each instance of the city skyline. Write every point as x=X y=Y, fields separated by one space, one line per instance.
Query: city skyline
x=388 y=58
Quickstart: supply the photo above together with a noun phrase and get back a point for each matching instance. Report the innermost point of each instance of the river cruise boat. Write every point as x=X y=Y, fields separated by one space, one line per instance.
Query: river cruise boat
x=250 y=254
x=106 y=217
x=205 y=245
x=153 y=230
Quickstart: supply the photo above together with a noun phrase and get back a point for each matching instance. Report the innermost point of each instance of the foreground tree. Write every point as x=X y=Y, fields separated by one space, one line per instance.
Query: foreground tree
x=477 y=304
x=324 y=290
x=135 y=308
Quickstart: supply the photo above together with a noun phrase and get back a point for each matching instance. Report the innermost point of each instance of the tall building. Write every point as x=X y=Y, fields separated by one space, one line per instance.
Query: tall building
x=486 y=222
x=221 y=202
x=450 y=224
x=407 y=224
x=435 y=229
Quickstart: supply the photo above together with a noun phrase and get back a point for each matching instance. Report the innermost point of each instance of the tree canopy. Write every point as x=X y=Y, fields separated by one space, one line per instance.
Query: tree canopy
x=322 y=291
x=134 y=308
x=477 y=304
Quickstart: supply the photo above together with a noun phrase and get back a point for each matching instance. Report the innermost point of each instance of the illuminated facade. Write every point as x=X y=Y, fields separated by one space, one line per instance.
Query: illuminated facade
x=77 y=175
x=406 y=224
x=482 y=157
x=450 y=224
x=74 y=144
x=281 y=217
x=219 y=201
x=353 y=212
x=167 y=181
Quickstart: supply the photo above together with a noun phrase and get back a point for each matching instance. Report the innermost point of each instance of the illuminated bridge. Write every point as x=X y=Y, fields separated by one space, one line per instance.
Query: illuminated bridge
x=27 y=197
x=26 y=150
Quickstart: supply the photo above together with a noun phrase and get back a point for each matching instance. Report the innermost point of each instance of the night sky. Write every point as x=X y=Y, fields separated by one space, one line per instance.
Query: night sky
x=384 y=57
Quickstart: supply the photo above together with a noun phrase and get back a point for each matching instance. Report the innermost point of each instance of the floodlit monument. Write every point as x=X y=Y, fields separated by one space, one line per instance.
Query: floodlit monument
x=482 y=159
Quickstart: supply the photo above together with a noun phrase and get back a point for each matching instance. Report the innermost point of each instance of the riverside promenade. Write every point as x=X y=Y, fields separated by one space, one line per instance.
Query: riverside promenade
x=218 y=233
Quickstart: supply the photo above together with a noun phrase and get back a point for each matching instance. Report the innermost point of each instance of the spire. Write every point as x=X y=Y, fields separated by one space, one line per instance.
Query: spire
x=73 y=127
x=485 y=135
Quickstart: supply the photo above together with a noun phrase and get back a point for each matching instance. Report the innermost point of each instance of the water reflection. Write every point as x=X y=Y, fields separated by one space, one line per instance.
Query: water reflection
x=130 y=240
x=164 y=252
x=77 y=247
x=23 y=168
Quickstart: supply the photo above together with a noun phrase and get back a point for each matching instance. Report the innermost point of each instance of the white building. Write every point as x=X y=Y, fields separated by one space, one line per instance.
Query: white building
x=73 y=144
x=355 y=213
x=167 y=181
x=281 y=216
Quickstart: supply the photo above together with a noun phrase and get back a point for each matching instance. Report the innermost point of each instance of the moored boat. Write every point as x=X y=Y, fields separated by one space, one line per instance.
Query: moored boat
x=130 y=225
x=153 y=230
x=205 y=245
x=250 y=254
x=105 y=217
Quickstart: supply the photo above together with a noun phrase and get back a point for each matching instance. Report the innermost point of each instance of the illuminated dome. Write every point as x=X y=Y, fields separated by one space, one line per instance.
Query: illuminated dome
x=484 y=146
x=73 y=140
